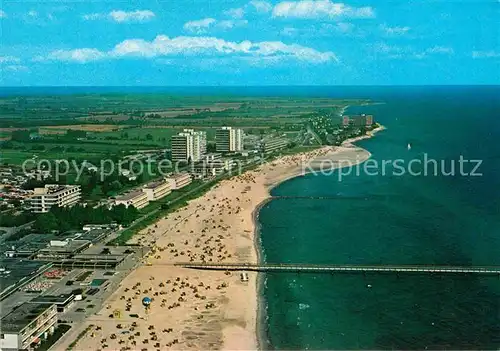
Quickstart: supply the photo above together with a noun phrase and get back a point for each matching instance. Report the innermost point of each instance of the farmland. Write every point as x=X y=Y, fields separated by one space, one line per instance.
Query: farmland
x=120 y=124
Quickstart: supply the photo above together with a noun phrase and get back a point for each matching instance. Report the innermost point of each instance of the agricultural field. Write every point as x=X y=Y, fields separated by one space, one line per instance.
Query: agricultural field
x=15 y=157
x=120 y=124
x=89 y=151
x=159 y=135
x=82 y=127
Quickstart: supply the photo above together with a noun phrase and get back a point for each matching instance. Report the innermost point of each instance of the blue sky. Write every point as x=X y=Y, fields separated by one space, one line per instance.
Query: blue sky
x=244 y=42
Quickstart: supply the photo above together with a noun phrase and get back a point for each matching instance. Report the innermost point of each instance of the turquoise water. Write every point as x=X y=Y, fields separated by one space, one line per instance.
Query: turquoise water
x=387 y=219
x=383 y=219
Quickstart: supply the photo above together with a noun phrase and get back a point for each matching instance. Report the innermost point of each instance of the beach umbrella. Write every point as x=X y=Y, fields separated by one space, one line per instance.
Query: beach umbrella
x=146 y=301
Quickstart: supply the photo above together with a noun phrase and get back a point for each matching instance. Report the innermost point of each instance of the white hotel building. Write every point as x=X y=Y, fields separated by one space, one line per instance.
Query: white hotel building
x=228 y=139
x=189 y=146
x=136 y=198
x=179 y=180
x=54 y=195
x=157 y=190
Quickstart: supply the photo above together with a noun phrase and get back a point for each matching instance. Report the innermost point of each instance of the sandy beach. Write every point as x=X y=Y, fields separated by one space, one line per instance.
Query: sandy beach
x=193 y=310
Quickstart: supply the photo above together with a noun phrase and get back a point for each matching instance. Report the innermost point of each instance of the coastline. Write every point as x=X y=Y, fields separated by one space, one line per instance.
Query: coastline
x=260 y=328
x=260 y=325
x=205 y=309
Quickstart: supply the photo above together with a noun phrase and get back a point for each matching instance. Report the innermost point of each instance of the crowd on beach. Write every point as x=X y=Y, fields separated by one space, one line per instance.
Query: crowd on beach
x=193 y=309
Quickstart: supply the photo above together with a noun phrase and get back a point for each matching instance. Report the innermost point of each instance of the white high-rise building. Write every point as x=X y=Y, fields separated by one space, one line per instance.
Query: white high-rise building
x=182 y=147
x=228 y=139
x=189 y=146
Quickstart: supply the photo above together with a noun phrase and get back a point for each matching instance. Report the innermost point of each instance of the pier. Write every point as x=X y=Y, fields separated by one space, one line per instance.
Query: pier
x=312 y=268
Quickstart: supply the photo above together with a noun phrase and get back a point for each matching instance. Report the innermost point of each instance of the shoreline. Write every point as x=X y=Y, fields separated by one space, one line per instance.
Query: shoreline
x=261 y=328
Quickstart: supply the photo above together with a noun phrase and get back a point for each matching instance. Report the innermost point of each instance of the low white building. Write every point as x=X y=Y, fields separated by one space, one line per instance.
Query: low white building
x=212 y=156
x=179 y=180
x=137 y=198
x=54 y=195
x=271 y=145
x=89 y=227
x=212 y=168
x=157 y=190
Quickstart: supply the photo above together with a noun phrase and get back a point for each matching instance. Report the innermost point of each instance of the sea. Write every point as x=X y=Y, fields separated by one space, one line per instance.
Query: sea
x=382 y=216
x=417 y=217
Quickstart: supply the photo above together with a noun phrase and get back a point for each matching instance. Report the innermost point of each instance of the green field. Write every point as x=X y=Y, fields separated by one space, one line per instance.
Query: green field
x=120 y=124
x=114 y=105
x=90 y=151
x=16 y=157
x=158 y=136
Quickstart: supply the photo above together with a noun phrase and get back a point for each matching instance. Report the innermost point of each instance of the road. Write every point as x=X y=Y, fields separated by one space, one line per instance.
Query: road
x=313 y=133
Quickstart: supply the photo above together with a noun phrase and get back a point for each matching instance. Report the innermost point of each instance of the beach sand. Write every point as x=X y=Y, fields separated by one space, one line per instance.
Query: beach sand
x=193 y=310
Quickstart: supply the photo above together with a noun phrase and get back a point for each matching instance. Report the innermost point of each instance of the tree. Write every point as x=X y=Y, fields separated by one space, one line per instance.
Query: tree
x=75 y=134
x=211 y=147
x=46 y=222
x=123 y=214
x=22 y=135
x=16 y=202
x=33 y=183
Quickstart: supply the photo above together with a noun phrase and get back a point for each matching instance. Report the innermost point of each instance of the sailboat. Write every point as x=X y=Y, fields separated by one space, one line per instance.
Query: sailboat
x=409 y=146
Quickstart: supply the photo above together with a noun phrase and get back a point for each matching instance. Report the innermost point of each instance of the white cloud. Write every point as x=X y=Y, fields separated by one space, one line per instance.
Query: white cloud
x=204 y=25
x=9 y=59
x=485 y=54
x=132 y=16
x=261 y=6
x=3 y=14
x=231 y=24
x=77 y=55
x=94 y=16
x=383 y=47
x=323 y=31
x=120 y=16
x=289 y=31
x=16 y=68
x=341 y=27
x=320 y=9
x=199 y=26
x=163 y=46
x=407 y=52
x=235 y=13
x=440 y=50
x=394 y=30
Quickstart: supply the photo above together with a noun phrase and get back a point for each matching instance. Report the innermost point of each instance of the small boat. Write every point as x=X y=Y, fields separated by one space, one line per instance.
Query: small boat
x=369 y=286
x=409 y=146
